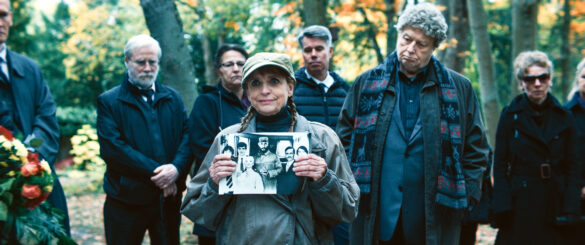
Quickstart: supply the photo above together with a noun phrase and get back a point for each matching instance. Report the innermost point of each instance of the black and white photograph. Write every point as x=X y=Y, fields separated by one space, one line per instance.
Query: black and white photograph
x=264 y=162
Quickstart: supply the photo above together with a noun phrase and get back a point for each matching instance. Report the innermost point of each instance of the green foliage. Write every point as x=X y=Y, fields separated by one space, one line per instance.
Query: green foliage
x=42 y=226
x=19 y=39
x=72 y=118
x=86 y=149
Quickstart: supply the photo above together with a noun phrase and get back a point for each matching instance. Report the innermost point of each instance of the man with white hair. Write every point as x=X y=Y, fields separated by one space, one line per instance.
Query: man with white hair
x=415 y=138
x=142 y=129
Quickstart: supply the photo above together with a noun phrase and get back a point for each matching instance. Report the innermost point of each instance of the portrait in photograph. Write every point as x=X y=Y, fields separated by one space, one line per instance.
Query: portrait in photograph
x=264 y=162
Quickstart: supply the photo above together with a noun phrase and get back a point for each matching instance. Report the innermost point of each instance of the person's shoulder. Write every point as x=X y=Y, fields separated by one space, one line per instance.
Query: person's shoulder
x=231 y=129
x=321 y=128
x=113 y=92
x=458 y=78
x=338 y=79
x=22 y=63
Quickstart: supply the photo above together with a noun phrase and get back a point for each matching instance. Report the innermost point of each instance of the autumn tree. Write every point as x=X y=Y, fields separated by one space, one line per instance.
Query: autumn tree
x=164 y=23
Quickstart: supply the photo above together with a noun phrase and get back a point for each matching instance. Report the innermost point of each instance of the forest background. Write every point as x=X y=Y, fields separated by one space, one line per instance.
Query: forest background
x=79 y=43
x=79 y=47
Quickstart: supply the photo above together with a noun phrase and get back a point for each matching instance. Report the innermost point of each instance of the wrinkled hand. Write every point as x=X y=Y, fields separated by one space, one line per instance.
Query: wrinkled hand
x=165 y=175
x=583 y=193
x=222 y=166
x=311 y=166
x=171 y=190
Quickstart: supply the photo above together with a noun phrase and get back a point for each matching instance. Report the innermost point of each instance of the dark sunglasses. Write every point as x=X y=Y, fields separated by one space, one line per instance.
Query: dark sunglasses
x=544 y=77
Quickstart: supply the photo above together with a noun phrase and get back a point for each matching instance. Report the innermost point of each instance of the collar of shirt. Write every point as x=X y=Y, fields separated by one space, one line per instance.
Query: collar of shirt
x=416 y=78
x=3 y=62
x=328 y=82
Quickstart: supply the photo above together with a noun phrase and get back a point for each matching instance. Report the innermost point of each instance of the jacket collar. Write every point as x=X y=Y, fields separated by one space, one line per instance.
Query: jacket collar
x=128 y=92
x=14 y=66
x=520 y=103
x=301 y=77
x=573 y=103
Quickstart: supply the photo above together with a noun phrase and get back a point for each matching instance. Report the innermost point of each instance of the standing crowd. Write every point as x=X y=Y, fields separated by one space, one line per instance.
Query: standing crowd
x=398 y=157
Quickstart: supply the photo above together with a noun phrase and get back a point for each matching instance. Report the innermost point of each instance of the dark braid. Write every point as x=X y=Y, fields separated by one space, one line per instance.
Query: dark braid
x=292 y=108
x=246 y=120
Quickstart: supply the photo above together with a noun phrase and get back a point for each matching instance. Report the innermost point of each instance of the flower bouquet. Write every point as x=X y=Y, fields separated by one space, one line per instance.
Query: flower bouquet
x=25 y=182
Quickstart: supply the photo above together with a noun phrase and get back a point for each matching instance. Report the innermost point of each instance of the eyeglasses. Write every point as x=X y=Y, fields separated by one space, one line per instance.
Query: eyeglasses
x=143 y=62
x=544 y=77
x=230 y=64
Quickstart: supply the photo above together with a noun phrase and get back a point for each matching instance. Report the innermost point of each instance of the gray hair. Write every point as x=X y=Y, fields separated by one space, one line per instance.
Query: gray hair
x=426 y=17
x=316 y=31
x=140 y=41
x=575 y=88
x=530 y=58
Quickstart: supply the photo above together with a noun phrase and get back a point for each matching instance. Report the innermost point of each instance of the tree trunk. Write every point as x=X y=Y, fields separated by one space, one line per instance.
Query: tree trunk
x=524 y=31
x=315 y=12
x=488 y=89
x=566 y=51
x=164 y=23
x=443 y=5
x=391 y=34
x=208 y=59
x=372 y=35
x=455 y=55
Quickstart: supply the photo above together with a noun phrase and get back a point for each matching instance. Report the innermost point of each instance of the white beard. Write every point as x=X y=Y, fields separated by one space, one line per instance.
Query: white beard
x=144 y=80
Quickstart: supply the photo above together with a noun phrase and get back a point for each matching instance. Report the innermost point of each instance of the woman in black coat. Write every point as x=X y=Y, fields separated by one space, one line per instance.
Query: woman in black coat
x=535 y=165
x=576 y=106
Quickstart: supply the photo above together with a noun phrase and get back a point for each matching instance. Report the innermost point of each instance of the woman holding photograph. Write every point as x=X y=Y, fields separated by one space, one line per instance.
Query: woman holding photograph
x=328 y=197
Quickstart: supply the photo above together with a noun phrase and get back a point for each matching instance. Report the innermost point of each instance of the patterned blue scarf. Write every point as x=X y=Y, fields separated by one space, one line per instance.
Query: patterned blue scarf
x=451 y=190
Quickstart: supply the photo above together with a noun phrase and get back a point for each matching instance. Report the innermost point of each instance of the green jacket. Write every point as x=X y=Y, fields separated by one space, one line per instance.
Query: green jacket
x=303 y=218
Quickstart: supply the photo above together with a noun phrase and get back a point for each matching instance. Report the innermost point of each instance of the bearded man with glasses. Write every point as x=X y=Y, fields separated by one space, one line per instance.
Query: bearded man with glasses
x=142 y=129
x=535 y=164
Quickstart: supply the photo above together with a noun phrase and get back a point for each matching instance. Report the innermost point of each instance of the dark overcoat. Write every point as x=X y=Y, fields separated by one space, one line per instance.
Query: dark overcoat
x=214 y=110
x=126 y=136
x=440 y=229
x=535 y=171
x=36 y=109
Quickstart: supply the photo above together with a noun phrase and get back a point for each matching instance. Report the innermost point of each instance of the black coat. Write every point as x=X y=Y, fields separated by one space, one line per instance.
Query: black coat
x=127 y=131
x=36 y=109
x=316 y=106
x=214 y=110
x=578 y=113
x=525 y=155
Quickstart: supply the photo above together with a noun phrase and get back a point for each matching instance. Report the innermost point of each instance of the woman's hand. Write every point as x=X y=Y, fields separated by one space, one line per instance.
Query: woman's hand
x=311 y=166
x=222 y=166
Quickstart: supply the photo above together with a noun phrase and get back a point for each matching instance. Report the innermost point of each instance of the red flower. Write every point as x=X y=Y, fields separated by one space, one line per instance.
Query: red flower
x=31 y=168
x=6 y=133
x=31 y=191
x=33 y=157
x=30 y=204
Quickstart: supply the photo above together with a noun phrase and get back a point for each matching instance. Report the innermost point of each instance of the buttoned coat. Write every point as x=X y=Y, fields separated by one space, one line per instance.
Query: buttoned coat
x=533 y=194
x=440 y=229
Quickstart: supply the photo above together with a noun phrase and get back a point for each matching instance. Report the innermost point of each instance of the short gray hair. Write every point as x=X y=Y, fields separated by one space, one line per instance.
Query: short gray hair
x=527 y=59
x=316 y=31
x=140 y=41
x=426 y=17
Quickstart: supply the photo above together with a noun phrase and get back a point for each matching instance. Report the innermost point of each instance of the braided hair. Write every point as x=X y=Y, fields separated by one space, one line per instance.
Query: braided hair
x=292 y=109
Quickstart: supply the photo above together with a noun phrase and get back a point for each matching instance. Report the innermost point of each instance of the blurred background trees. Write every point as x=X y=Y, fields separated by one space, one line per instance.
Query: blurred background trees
x=79 y=43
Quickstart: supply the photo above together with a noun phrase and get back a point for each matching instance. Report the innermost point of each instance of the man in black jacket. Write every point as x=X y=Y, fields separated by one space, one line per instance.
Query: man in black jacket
x=217 y=108
x=319 y=93
x=142 y=129
x=28 y=107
